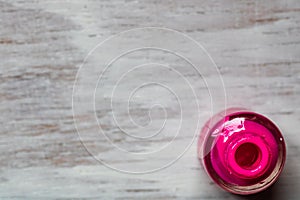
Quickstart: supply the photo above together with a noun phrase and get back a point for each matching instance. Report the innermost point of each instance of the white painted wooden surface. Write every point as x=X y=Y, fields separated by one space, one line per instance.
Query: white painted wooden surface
x=255 y=45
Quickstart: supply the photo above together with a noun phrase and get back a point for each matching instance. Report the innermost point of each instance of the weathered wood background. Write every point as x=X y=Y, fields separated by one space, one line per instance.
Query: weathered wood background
x=256 y=45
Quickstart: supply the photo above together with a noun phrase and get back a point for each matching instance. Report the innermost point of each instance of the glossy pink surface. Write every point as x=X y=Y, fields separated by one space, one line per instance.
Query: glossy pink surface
x=243 y=152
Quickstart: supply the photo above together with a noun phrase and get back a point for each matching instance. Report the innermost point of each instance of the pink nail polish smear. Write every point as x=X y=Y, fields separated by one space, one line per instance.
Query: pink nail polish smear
x=242 y=151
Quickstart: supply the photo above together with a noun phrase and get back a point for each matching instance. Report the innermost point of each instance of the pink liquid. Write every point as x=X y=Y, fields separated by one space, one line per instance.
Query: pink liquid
x=242 y=151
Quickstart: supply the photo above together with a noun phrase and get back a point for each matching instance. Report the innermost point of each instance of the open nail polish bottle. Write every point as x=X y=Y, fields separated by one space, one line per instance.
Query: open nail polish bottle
x=242 y=151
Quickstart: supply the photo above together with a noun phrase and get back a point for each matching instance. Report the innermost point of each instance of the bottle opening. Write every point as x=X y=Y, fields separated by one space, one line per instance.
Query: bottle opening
x=248 y=155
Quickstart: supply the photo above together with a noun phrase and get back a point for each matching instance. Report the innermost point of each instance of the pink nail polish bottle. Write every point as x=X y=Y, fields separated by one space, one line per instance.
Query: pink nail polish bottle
x=242 y=151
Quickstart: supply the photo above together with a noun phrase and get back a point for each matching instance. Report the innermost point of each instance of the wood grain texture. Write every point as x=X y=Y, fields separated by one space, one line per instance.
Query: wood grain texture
x=255 y=44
